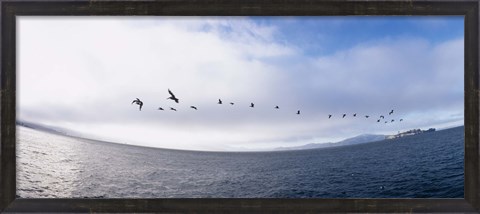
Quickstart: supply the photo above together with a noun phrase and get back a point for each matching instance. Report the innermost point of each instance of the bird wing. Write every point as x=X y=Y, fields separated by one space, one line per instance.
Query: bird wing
x=170 y=92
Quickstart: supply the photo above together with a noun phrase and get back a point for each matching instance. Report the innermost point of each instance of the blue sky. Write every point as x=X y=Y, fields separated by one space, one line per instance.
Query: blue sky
x=329 y=34
x=95 y=67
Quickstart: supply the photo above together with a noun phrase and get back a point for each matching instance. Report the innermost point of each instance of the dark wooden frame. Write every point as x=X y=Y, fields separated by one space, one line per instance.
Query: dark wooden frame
x=469 y=9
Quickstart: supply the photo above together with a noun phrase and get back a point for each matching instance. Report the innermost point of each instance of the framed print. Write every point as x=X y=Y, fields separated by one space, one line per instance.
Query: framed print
x=234 y=106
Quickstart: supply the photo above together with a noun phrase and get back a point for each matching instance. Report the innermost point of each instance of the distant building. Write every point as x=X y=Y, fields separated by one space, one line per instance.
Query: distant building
x=409 y=132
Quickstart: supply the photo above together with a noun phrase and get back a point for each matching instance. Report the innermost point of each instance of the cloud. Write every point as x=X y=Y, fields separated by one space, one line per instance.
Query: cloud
x=83 y=73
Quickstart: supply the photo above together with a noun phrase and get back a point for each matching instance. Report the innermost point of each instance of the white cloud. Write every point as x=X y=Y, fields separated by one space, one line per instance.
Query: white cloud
x=82 y=73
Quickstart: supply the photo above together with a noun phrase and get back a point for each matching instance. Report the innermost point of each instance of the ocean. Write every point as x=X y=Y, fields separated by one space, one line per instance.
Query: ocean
x=428 y=165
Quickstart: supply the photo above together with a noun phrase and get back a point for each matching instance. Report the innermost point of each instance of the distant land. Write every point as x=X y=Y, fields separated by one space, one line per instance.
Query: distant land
x=52 y=129
x=364 y=138
x=45 y=128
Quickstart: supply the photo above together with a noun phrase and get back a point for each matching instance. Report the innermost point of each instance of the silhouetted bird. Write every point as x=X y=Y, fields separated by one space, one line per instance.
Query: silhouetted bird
x=277 y=107
x=344 y=115
x=329 y=116
x=173 y=109
x=232 y=103
x=366 y=116
x=355 y=114
x=392 y=121
x=381 y=116
x=172 y=96
x=391 y=112
x=378 y=121
x=160 y=108
x=401 y=119
x=298 y=112
x=139 y=103
x=193 y=107
x=252 y=105
x=219 y=101
x=386 y=122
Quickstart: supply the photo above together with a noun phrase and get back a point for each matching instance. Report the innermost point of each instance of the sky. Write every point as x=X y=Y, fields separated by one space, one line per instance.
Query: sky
x=82 y=74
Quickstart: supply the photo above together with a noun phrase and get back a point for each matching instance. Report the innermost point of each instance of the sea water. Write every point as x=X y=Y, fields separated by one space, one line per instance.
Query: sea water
x=428 y=165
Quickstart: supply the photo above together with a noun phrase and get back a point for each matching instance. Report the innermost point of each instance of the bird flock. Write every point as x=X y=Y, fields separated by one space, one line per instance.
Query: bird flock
x=252 y=105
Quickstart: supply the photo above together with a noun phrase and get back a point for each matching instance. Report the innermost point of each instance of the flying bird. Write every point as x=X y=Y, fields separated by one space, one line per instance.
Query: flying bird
x=277 y=107
x=401 y=119
x=329 y=116
x=173 y=109
x=386 y=121
x=391 y=112
x=252 y=105
x=381 y=116
x=378 y=121
x=193 y=107
x=355 y=114
x=172 y=96
x=298 y=112
x=392 y=121
x=366 y=116
x=219 y=101
x=232 y=104
x=160 y=108
x=344 y=115
x=139 y=103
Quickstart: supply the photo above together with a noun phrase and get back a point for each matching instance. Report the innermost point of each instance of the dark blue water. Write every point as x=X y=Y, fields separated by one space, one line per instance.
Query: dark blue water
x=429 y=165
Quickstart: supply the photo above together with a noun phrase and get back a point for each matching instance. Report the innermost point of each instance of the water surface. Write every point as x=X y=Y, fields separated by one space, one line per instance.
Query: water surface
x=429 y=165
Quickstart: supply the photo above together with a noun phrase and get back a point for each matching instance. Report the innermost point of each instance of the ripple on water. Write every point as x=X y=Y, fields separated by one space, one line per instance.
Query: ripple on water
x=55 y=166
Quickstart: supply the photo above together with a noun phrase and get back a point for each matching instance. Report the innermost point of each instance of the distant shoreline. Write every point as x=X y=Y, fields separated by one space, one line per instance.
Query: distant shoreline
x=52 y=130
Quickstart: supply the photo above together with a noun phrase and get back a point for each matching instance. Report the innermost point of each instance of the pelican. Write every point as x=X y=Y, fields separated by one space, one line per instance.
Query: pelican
x=219 y=101
x=173 y=109
x=252 y=105
x=298 y=112
x=329 y=116
x=344 y=115
x=172 y=96
x=391 y=112
x=139 y=103
x=160 y=108
x=193 y=107
x=277 y=107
